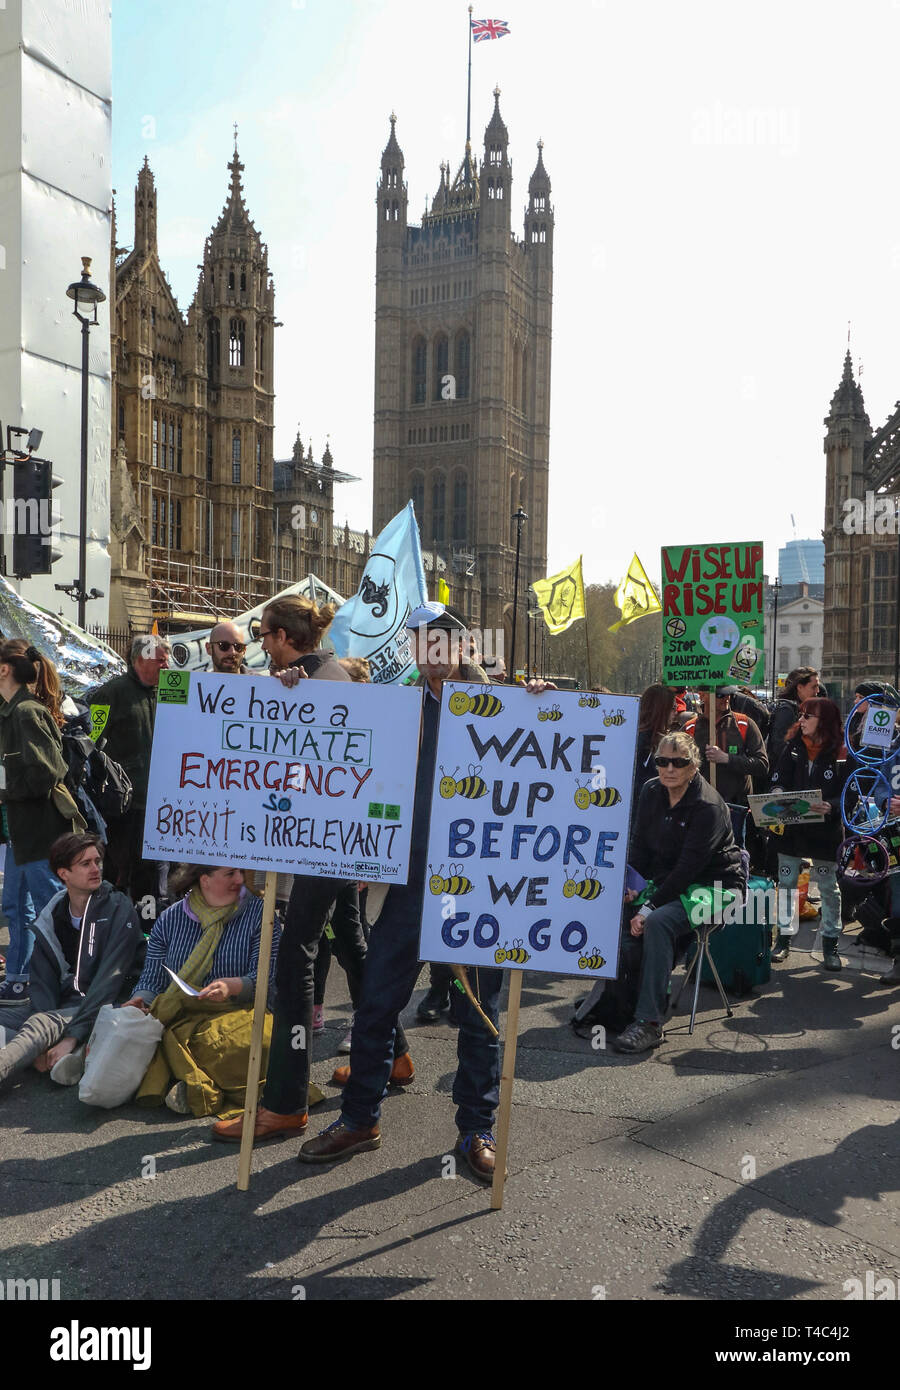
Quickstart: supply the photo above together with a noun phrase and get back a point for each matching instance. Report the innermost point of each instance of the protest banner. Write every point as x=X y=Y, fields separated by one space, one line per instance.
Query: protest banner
x=528 y=839
x=712 y=614
x=316 y=779
x=778 y=807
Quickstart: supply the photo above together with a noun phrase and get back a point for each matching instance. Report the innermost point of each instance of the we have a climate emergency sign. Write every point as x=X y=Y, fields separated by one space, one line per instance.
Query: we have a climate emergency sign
x=712 y=618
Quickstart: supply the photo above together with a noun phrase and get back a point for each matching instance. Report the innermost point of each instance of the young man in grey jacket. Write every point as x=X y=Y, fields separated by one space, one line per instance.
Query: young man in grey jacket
x=88 y=951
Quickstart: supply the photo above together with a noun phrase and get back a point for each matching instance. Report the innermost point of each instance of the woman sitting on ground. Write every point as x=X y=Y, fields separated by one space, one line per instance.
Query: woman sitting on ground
x=210 y=939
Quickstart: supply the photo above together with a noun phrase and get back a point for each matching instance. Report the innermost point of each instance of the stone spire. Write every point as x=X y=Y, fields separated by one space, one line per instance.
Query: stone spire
x=847 y=401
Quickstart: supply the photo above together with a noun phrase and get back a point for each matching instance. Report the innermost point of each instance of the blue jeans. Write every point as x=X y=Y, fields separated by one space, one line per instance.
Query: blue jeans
x=823 y=872
x=18 y=909
x=666 y=932
x=392 y=968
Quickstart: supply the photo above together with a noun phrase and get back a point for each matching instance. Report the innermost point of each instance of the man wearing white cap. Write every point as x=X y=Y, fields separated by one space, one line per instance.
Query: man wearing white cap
x=392 y=965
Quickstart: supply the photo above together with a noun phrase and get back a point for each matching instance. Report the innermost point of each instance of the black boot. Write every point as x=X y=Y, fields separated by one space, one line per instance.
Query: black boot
x=830 y=958
x=893 y=975
x=782 y=948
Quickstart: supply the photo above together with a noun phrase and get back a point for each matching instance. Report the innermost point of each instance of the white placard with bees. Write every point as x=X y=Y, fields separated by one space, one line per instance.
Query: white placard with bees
x=529 y=829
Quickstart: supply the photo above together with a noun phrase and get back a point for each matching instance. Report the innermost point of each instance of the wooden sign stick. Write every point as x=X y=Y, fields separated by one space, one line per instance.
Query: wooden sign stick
x=506 y=1087
x=254 y=1064
x=711 y=732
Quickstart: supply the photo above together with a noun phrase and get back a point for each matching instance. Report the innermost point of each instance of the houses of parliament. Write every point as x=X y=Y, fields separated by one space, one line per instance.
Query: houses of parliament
x=206 y=522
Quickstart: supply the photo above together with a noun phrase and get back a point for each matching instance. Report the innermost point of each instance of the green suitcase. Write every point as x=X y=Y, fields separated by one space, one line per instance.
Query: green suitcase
x=742 y=949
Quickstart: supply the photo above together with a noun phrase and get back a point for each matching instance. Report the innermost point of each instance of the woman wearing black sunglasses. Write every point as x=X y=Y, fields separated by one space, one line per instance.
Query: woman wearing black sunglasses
x=682 y=836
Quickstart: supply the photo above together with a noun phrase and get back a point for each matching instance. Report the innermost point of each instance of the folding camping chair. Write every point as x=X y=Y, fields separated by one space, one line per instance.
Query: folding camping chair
x=704 y=931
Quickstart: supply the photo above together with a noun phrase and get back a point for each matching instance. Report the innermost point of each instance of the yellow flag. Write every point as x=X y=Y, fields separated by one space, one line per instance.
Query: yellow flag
x=635 y=596
x=443 y=591
x=561 y=596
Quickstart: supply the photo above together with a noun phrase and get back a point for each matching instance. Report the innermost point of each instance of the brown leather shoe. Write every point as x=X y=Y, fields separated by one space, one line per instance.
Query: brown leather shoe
x=268 y=1126
x=337 y=1141
x=402 y=1072
x=480 y=1152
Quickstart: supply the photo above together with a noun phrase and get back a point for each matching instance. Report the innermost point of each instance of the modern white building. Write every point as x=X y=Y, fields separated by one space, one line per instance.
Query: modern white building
x=55 y=207
x=799 y=635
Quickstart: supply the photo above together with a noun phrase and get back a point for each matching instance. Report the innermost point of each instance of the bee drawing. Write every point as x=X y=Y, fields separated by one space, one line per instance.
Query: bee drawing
x=515 y=954
x=589 y=701
x=617 y=718
x=591 y=962
x=554 y=713
x=470 y=787
x=455 y=885
x=483 y=703
x=600 y=796
x=588 y=888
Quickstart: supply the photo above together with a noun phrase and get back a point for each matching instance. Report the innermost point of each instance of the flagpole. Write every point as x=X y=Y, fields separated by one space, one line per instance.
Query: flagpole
x=469 y=95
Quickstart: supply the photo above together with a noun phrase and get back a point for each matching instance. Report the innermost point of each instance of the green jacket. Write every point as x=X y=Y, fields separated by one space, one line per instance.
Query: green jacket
x=127 y=727
x=32 y=754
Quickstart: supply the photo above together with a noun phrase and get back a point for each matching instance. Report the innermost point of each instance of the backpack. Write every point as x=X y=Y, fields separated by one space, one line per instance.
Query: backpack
x=96 y=781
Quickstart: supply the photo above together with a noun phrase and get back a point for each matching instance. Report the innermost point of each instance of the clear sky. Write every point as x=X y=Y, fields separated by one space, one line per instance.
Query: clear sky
x=724 y=186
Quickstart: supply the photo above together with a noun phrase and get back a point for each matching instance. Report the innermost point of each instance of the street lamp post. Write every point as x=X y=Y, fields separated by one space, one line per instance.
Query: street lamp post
x=775 y=589
x=86 y=296
x=519 y=517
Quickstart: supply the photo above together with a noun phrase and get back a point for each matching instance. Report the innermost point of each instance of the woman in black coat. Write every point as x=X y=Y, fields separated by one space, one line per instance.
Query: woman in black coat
x=810 y=761
x=802 y=684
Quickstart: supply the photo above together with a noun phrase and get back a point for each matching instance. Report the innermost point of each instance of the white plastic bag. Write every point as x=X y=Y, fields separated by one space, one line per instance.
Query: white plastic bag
x=119 y=1052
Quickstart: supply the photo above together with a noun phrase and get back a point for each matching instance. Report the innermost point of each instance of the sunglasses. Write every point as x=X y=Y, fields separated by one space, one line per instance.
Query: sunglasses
x=232 y=646
x=672 y=762
x=265 y=632
x=809 y=716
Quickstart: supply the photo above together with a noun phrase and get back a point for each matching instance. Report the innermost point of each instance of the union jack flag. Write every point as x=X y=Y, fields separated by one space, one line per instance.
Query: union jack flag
x=489 y=29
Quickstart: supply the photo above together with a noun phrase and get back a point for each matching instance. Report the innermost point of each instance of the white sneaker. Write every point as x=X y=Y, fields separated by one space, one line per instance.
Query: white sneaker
x=344 y=1045
x=68 y=1070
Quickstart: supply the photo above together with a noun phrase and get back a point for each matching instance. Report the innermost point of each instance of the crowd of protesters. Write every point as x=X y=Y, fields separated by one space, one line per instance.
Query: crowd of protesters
x=79 y=940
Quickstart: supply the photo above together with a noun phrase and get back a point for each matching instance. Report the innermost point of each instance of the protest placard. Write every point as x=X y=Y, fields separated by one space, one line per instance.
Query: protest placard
x=778 y=807
x=317 y=779
x=712 y=618
x=529 y=830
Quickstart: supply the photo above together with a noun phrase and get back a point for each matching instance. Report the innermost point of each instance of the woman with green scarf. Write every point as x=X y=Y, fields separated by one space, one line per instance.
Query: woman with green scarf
x=210 y=940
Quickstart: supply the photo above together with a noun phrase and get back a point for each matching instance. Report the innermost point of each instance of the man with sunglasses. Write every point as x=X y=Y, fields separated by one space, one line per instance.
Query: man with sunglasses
x=226 y=647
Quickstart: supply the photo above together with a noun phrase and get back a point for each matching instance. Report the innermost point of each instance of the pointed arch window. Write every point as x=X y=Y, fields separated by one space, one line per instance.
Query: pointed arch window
x=524 y=398
x=463 y=358
x=209 y=458
x=231 y=279
x=438 y=506
x=495 y=154
x=419 y=369
x=417 y=494
x=259 y=460
x=387 y=211
x=540 y=202
x=236 y=343
x=460 y=507
x=243 y=281
x=441 y=364
x=236 y=457
x=213 y=346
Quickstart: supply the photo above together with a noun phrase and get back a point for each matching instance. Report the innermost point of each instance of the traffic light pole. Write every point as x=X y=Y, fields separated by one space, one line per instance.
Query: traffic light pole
x=82 y=514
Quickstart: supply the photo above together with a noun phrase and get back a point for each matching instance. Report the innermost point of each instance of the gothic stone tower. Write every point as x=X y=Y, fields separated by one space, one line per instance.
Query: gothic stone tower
x=462 y=374
x=193 y=408
x=862 y=495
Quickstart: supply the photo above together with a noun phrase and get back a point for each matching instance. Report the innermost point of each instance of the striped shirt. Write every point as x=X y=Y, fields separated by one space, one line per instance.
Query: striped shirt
x=177 y=931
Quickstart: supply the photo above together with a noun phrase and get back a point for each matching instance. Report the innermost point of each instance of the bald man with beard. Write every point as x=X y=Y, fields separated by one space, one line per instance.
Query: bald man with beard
x=227 y=647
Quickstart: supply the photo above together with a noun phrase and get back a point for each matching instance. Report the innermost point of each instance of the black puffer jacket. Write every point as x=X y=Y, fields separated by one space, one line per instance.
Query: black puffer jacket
x=795 y=773
x=690 y=842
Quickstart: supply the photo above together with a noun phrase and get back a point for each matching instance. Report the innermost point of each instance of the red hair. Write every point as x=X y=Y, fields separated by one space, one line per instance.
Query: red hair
x=830 y=731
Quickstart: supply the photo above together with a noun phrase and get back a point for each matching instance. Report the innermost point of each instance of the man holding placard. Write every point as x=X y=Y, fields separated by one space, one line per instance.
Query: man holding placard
x=392 y=967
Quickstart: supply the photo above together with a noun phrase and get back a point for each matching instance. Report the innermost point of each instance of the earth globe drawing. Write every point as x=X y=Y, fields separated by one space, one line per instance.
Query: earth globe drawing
x=719 y=635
